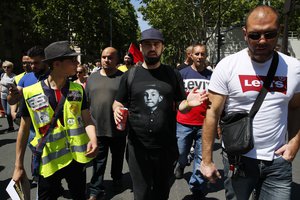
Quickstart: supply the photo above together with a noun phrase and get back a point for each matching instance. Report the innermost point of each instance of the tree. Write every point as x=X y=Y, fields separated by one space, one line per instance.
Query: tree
x=188 y=21
x=86 y=23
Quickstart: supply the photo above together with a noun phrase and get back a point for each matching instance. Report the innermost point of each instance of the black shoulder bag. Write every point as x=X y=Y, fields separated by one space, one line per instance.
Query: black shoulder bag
x=38 y=150
x=236 y=128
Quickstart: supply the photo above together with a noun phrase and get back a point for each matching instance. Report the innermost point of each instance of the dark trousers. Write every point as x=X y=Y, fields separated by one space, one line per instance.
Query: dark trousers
x=151 y=172
x=75 y=175
x=117 y=148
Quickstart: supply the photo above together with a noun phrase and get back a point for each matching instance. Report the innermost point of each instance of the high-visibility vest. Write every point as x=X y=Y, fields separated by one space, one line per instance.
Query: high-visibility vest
x=18 y=77
x=66 y=142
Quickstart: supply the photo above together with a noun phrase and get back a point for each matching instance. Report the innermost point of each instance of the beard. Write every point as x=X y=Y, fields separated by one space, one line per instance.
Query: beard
x=152 y=60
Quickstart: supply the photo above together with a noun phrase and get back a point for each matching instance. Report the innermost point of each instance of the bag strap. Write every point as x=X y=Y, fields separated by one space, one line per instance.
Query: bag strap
x=264 y=90
x=57 y=114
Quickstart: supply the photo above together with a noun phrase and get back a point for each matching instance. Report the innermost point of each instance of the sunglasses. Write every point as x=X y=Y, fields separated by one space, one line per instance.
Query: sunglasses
x=79 y=72
x=267 y=35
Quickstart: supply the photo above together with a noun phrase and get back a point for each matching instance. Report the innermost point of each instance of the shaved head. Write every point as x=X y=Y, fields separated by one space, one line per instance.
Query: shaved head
x=262 y=12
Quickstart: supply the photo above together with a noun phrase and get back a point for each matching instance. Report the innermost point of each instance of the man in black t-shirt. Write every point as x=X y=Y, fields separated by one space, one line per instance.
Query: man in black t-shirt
x=152 y=146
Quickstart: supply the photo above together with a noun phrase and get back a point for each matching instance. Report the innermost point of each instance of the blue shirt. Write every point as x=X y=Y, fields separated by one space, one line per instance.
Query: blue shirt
x=32 y=78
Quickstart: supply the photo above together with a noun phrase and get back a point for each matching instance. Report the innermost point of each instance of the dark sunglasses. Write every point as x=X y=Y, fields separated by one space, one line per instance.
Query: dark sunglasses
x=79 y=72
x=267 y=35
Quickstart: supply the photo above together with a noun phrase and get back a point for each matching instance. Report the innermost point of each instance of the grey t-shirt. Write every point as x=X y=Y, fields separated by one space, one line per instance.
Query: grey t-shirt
x=101 y=91
x=5 y=84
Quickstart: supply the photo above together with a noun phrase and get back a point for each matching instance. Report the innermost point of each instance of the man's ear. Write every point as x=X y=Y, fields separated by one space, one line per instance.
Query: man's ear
x=245 y=34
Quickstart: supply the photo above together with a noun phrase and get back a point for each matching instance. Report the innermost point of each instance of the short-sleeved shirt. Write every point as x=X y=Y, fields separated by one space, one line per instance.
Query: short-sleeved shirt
x=153 y=94
x=101 y=91
x=240 y=79
x=50 y=93
x=32 y=78
x=5 y=84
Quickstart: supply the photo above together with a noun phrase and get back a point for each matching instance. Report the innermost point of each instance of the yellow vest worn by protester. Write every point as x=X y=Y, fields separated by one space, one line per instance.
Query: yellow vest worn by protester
x=18 y=77
x=122 y=68
x=66 y=142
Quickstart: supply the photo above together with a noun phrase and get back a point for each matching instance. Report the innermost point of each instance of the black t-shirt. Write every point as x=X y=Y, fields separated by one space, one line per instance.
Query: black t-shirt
x=52 y=99
x=152 y=113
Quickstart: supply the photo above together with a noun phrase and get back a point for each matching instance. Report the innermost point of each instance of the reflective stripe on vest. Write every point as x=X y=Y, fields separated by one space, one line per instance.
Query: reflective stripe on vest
x=66 y=142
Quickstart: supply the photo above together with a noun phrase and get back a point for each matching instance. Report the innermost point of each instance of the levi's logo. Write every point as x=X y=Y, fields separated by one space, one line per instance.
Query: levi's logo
x=255 y=83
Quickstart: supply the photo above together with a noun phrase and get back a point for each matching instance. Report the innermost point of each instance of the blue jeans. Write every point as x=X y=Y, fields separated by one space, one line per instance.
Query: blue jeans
x=7 y=111
x=272 y=180
x=186 y=134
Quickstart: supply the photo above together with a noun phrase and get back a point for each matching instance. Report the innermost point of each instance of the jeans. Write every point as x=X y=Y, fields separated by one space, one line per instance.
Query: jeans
x=7 y=111
x=117 y=148
x=272 y=180
x=186 y=134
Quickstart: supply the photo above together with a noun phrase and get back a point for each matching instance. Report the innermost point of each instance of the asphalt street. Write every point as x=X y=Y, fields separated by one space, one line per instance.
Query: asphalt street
x=179 y=190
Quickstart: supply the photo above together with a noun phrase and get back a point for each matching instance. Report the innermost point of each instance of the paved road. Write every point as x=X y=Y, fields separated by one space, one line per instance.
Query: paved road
x=179 y=190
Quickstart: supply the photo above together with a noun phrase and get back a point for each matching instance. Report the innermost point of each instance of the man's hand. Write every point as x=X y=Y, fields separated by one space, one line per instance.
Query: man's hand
x=210 y=172
x=289 y=150
x=195 y=98
x=92 y=149
x=19 y=172
x=14 y=95
x=118 y=115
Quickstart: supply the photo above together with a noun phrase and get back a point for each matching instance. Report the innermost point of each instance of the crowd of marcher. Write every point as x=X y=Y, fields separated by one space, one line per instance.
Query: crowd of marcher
x=68 y=114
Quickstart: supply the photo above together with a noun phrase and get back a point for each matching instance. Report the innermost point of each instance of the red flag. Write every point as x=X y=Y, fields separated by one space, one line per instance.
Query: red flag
x=137 y=54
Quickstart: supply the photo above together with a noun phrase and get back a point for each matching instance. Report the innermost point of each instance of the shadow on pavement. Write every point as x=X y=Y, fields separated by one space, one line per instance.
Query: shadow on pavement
x=217 y=146
x=1 y=168
x=3 y=193
x=6 y=141
x=111 y=191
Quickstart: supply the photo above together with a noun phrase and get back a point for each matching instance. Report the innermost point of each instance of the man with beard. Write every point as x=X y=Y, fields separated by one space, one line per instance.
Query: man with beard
x=152 y=147
x=128 y=62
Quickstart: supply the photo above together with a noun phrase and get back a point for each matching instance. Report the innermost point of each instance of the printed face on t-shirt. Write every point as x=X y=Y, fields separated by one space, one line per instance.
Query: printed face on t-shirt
x=152 y=98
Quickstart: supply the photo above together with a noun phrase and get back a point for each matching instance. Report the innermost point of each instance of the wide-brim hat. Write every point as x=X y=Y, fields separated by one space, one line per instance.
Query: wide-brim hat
x=152 y=34
x=59 y=49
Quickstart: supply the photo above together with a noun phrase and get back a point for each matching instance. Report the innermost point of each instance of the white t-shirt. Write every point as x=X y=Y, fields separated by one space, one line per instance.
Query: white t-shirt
x=238 y=77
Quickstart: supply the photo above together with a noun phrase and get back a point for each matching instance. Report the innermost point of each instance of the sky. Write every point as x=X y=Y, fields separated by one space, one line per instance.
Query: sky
x=143 y=24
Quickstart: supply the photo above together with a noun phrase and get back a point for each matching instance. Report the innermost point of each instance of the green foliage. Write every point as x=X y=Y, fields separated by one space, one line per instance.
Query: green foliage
x=184 y=22
x=86 y=23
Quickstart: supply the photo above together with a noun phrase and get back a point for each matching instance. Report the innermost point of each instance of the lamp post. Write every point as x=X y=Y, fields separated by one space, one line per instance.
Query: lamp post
x=219 y=32
x=286 y=11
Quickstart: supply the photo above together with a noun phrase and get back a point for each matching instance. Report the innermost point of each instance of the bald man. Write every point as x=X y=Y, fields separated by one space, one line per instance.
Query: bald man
x=101 y=89
x=233 y=87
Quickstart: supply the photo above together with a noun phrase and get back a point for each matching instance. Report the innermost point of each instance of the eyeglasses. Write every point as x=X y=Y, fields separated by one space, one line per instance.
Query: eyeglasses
x=79 y=72
x=267 y=35
x=7 y=67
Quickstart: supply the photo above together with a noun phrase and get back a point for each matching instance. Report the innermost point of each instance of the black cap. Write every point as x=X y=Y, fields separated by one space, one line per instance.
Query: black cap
x=152 y=34
x=59 y=49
